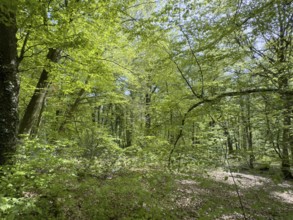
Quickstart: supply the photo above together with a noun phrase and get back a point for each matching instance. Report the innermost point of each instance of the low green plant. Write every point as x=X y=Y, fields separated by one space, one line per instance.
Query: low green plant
x=55 y=182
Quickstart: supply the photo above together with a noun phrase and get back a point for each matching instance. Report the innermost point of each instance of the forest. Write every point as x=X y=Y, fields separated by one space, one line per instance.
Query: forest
x=141 y=109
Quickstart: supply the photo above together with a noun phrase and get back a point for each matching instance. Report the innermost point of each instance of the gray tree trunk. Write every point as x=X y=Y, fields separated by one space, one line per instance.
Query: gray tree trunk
x=9 y=83
x=34 y=108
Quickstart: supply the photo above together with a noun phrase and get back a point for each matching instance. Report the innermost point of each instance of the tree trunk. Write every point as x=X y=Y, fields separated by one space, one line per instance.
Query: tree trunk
x=129 y=128
x=291 y=144
x=147 y=114
x=193 y=137
x=9 y=83
x=71 y=109
x=33 y=110
x=35 y=130
x=247 y=142
x=229 y=142
x=290 y=109
x=286 y=138
x=249 y=134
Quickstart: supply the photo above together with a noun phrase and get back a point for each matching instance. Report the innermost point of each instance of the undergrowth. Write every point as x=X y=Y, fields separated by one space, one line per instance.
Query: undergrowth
x=59 y=182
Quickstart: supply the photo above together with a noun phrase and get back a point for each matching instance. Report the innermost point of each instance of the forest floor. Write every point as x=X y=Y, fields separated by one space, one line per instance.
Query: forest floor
x=150 y=193
x=226 y=195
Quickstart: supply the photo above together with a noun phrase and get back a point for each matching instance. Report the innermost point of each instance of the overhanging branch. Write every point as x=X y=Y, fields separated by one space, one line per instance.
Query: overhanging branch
x=218 y=98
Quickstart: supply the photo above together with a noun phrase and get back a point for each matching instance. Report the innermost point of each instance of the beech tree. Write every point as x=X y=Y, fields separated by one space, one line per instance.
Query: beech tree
x=268 y=37
x=9 y=83
x=183 y=72
x=261 y=42
x=114 y=93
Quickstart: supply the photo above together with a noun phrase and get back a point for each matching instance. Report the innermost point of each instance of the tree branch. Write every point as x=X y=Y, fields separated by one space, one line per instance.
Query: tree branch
x=22 y=51
x=218 y=98
x=182 y=75
x=143 y=3
x=196 y=60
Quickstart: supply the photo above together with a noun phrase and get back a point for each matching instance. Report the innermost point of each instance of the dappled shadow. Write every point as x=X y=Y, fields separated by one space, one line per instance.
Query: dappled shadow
x=214 y=196
x=285 y=196
x=242 y=180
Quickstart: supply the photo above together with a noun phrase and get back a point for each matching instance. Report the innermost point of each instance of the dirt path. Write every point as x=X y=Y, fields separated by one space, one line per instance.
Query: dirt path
x=215 y=197
x=284 y=194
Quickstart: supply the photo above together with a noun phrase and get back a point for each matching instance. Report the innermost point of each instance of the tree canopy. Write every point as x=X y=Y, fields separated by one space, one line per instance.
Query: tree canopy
x=90 y=87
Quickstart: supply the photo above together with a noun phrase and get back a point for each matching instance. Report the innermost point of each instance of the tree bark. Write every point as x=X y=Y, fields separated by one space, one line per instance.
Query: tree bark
x=215 y=99
x=248 y=132
x=71 y=109
x=9 y=83
x=34 y=108
x=283 y=45
x=147 y=114
x=286 y=138
x=229 y=141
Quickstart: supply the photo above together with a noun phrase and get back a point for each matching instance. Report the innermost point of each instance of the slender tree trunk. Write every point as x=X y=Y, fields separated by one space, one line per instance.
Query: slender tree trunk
x=33 y=110
x=147 y=114
x=9 y=83
x=283 y=45
x=242 y=135
x=286 y=138
x=35 y=130
x=249 y=134
x=273 y=139
x=291 y=142
x=129 y=129
x=71 y=109
x=290 y=109
x=128 y=137
x=230 y=144
x=193 y=138
x=247 y=142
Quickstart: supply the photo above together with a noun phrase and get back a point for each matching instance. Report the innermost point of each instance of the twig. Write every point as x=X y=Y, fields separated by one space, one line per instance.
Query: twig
x=182 y=74
x=196 y=60
x=236 y=188
x=217 y=98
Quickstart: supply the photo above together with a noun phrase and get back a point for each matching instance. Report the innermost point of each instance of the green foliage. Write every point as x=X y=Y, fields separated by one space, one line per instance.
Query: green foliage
x=91 y=180
x=138 y=83
x=45 y=183
x=129 y=196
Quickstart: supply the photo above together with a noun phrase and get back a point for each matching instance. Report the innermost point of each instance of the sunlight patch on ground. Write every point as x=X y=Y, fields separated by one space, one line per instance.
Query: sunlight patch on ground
x=190 y=187
x=248 y=181
x=286 y=196
x=231 y=216
x=188 y=182
x=190 y=191
x=242 y=180
x=284 y=185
